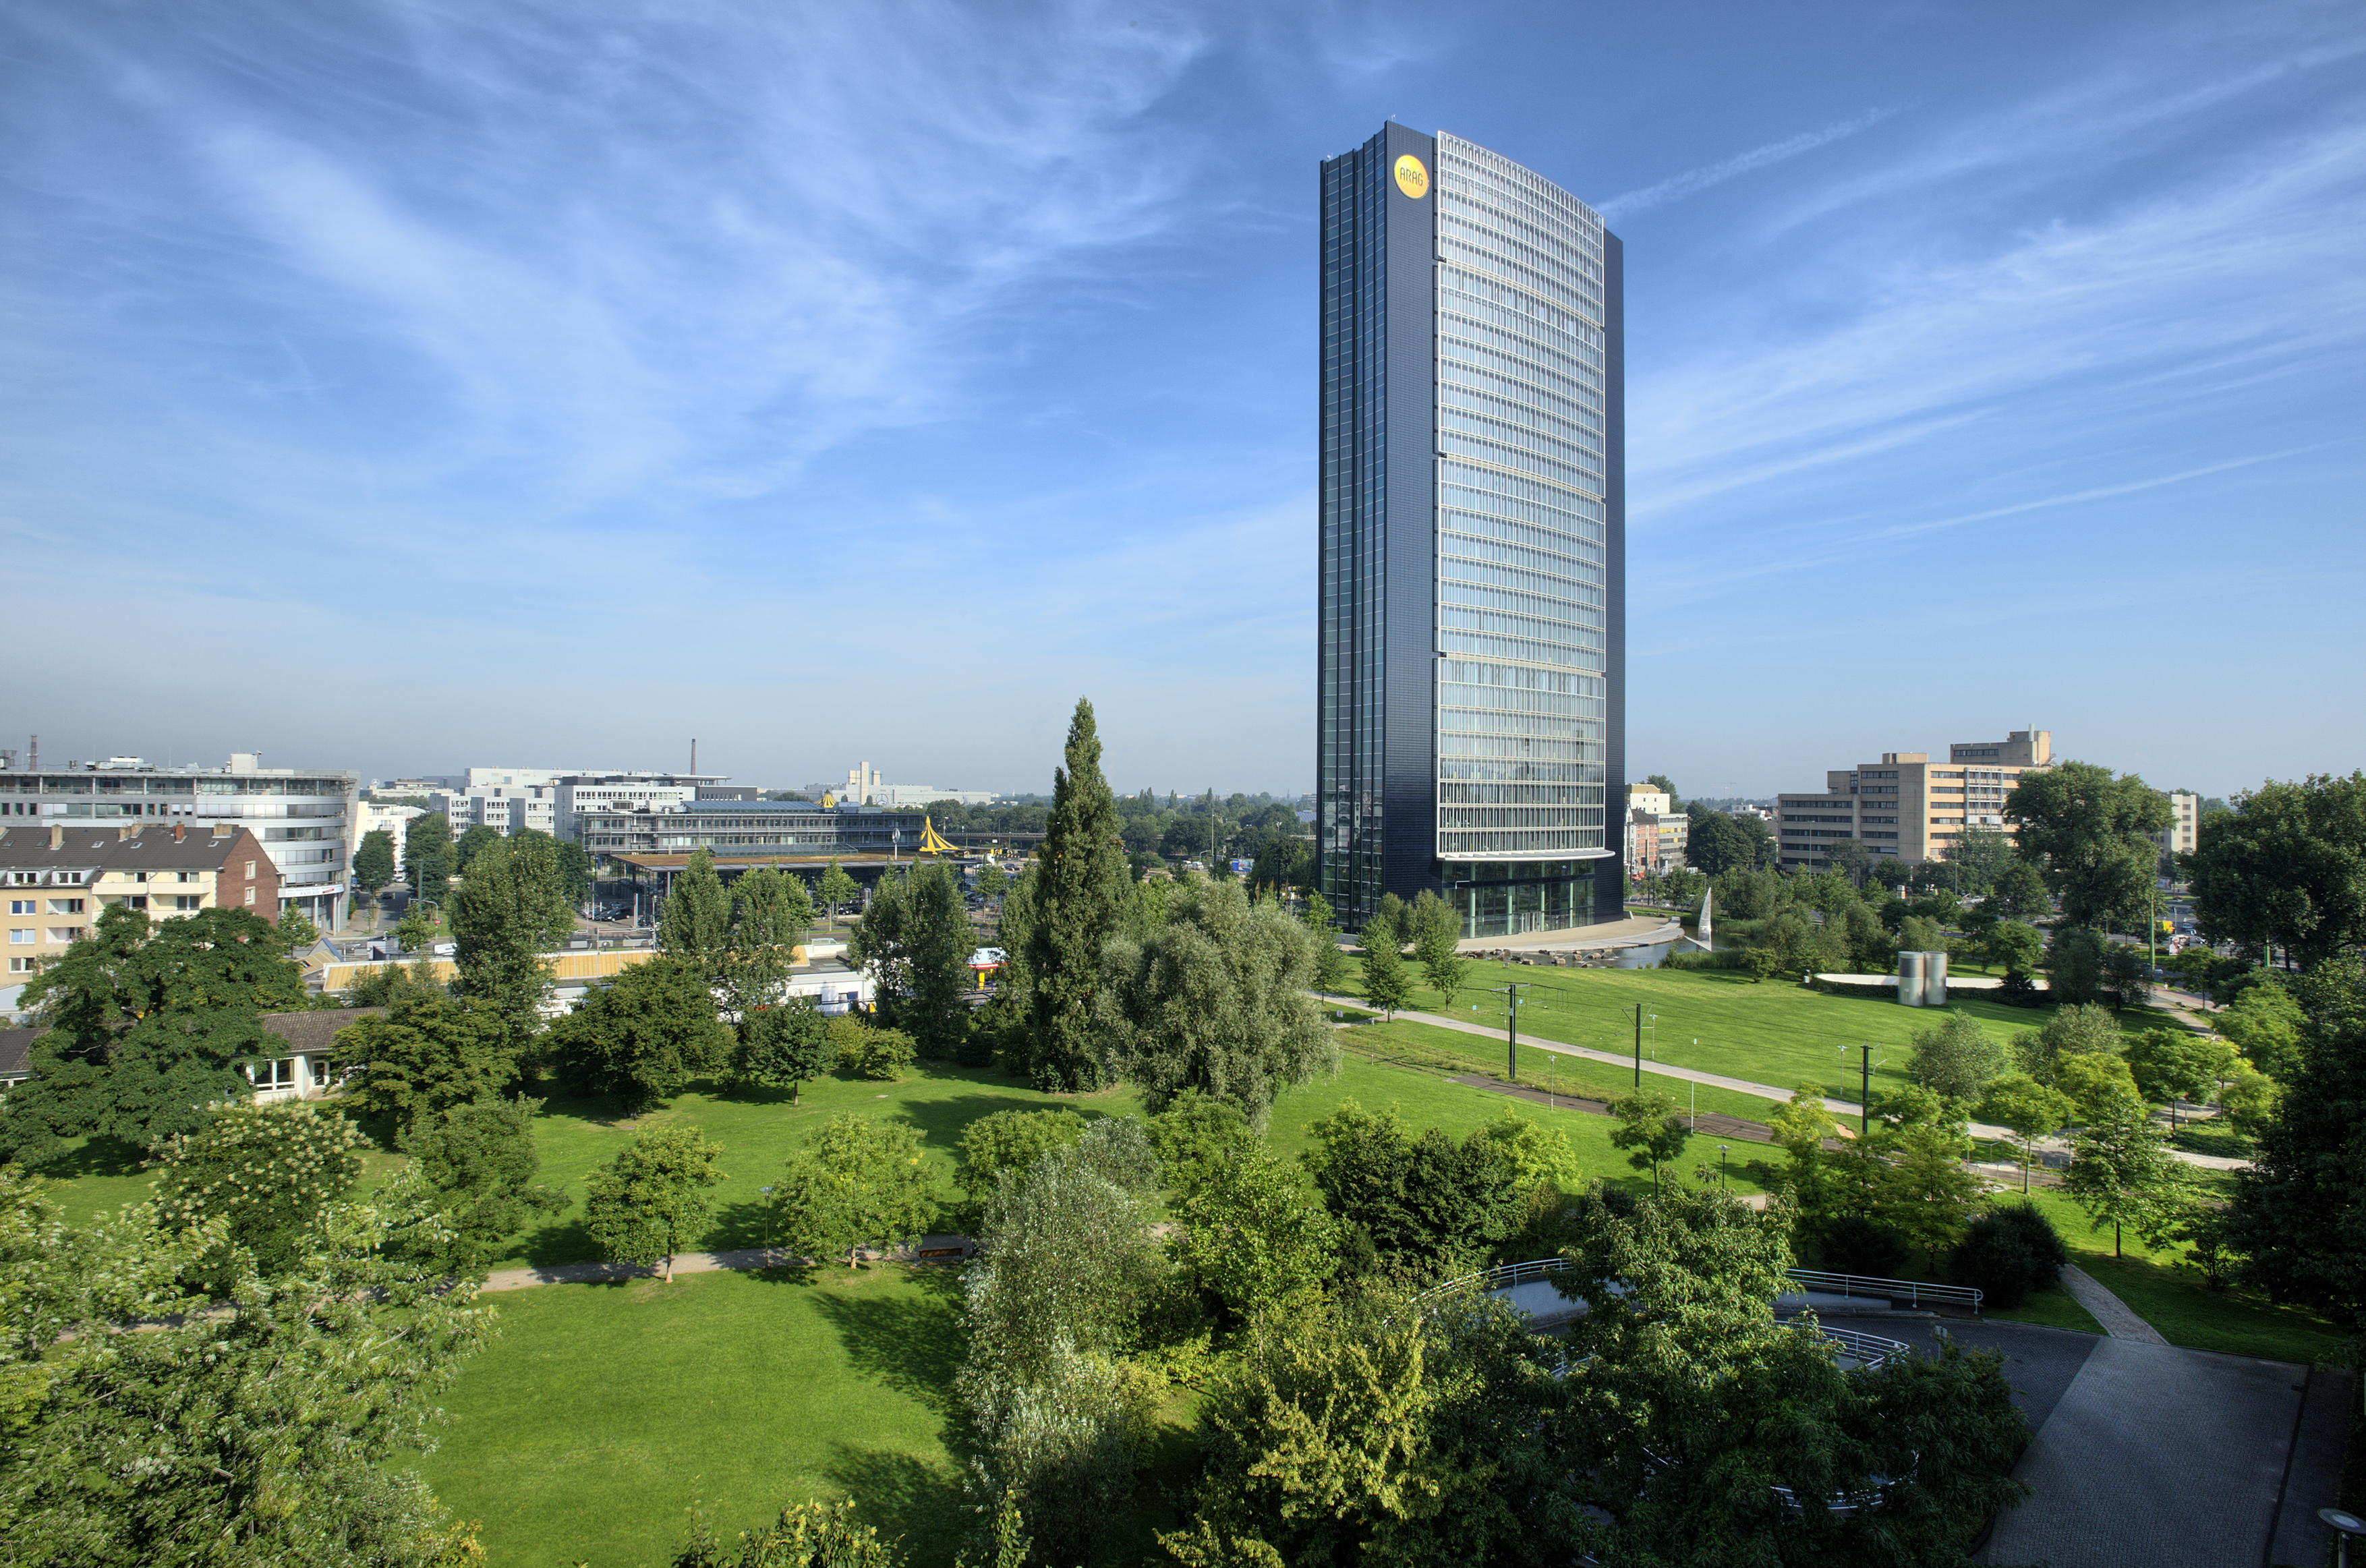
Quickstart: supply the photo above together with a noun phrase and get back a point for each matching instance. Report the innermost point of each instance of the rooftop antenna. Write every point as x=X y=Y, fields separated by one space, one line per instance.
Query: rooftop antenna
x=694 y=757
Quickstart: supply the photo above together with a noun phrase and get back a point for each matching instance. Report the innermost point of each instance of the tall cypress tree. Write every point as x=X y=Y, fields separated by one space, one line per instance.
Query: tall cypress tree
x=1079 y=889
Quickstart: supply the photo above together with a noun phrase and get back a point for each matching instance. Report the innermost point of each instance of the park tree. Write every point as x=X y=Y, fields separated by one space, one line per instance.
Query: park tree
x=1718 y=844
x=2019 y=893
x=916 y=937
x=2299 y=1214
x=1387 y=985
x=1253 y=1234
x=643 y=1036
x=836 y=890
x=428 y=1054
x=479 y=1163
x=2030 y=1109
x=1437 y=933
x=2075 y=971
x=2266 y=1025
x=2121 y=1172
x=1330 y=975
x=1851 y=859
x=649 y=1205
x=1957 y=1059
x=1012 y=1141
x=1411 y=1204
x=2173 y=1065
x=374 y=860
x=427 y=855
x=473 y=842
x=694 y=922
x=150 y=1422
x=1079 y=888
x=855 y=1183
x=511 y=910
x=1979 y=856
x=1216 y=1000
x=1653 y=1129
x=770 y=909
x=1387 y=928
x=265 y=1172
x=783 y=1044
x=2286 y=868
x=1196 y=1134
x=2073 y=1030
x=2013 y=946
x=574 y=864
x=2248 y=1098
x=145 y=1026
x=2093 y=836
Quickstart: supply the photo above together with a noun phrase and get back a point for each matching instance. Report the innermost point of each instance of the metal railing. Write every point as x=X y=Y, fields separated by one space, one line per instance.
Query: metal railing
x=1913 y=1292
x=1870 y=1350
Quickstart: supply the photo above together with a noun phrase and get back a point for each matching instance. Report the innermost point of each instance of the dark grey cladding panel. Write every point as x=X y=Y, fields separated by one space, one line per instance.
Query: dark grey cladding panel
x=1610 y=884
x=1410 y=787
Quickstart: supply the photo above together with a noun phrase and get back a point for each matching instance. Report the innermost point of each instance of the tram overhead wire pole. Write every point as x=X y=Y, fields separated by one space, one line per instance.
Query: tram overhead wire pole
x=1512 y=1025
x=1864 y=1086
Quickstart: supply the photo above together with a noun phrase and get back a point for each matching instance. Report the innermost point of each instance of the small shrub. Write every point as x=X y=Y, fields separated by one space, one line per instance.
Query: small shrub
x=2008 y=1253
x=1850 y=1244
x=1718 y=958
x=883 y=1054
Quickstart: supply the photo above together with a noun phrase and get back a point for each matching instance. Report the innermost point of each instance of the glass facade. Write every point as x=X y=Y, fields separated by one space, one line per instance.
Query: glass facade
x=1471 y=513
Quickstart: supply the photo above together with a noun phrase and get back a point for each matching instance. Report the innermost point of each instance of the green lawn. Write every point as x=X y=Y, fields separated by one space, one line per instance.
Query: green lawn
x=1774 y=1033
x=588 y=1428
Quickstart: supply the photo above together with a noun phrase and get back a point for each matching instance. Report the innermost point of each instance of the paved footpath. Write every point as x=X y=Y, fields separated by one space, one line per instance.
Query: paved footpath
x=1688 y=1074
x=2119 y=1320
x=945 y=1248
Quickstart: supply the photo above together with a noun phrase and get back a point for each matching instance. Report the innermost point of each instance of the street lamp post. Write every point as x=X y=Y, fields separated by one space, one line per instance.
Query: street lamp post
x=768 y=1218
x=1720 y=1165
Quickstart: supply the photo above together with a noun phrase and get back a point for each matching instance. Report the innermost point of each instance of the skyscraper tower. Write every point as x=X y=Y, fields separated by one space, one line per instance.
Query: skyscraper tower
x=1470 y=709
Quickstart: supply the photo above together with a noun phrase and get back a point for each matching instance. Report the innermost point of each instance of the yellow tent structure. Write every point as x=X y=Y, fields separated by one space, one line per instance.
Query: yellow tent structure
x=934 y=842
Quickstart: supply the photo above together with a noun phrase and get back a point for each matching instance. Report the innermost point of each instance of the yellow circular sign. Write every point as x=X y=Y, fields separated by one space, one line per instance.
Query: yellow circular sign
x=1412 y=178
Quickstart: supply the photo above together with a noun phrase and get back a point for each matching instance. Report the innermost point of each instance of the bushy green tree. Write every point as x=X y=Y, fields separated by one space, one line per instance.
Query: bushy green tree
x=2265 y=1023
x=836 y=890
x=1653 y=1129
x=2013 y=946
x=2081 y=1029
x=374 y=860
x=2286 y=868
x=2029 y=1107
x=427 y=1054
x=479 y=1163
x=1387 y=925
x=1214 y=1000
x=1437 y=930
x=1957 y=1059
x=2121 y=1172
x=1415 y=1203
x=2299 y=1214
x=266 y=1172
x=783 y=1045
x=148 y=1422
x=1012 y=1141
x=2170 y=1065
x=694 y=922
x=855 y=1183
x=2019 y=894
x=917 y=938
x=1330 y=964
x=473 y=842
x=1386 y=984
x=642 y=1036
x=2007 y=1254
x=509 y=912
x=2092 y=835
x=427 y=855
x=1196 y=1133
x=1253 y=1234
x=1079 y=887
x=649 y=1205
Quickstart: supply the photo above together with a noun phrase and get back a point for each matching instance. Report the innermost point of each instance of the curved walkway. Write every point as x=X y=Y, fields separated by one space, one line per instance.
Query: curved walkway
x=1689 y=1074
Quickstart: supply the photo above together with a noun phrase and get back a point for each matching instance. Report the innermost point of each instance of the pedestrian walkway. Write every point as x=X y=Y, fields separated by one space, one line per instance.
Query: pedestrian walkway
x=930 y=1249
x=2178 y=1459
x=2119 y=1320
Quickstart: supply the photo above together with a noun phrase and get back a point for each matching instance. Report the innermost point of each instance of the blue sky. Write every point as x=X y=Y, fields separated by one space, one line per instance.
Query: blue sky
x=405 y=386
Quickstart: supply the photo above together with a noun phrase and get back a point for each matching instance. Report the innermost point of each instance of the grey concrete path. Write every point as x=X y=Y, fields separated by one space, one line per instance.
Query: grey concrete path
x=1689 y=1074
x=2119 y=1320
x=2165 y=1457
x=933 y=1248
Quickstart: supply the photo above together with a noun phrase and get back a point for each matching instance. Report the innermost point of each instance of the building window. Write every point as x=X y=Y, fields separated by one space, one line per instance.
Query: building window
x=250 y=898
x=22 y=936
x=21 y=907
x=187 y=900
x=184 y=876
x=250 y=872
x=137 y=901
x=280 y=1073
x=65 y=906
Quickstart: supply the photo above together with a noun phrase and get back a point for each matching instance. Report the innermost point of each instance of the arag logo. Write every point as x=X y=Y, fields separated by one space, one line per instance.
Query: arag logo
x=1412 y=178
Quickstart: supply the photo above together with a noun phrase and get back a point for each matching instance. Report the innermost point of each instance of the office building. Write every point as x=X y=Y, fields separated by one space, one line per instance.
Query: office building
x=580 y=794
x=865 y=787
x=306 y=818
x=1472 y=635
x=2182 y=836
x=1906 y=807
x=60 y=873
x=1655 y=832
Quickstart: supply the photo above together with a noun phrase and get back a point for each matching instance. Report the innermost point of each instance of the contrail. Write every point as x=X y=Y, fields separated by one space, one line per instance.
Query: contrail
x=1676 y=187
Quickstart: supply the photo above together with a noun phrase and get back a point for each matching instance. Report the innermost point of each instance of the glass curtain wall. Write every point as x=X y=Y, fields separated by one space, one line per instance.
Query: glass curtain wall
x=1522 y=567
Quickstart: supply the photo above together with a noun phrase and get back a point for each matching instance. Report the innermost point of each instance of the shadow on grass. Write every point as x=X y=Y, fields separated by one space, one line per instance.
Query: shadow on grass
x=915 y=1345
x=562 y=1241
x=98 y=1156
x=904 y=1496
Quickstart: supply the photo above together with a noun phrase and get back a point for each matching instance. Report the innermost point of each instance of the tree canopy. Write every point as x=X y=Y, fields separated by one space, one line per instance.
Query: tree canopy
x=511 y=911
x=1079 y=885
x=2286 y=868
x=2092 y=835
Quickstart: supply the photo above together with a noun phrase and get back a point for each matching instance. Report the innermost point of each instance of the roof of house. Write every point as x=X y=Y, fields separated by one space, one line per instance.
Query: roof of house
x=16 y=1048
x=87 y=846
x=313 y=1032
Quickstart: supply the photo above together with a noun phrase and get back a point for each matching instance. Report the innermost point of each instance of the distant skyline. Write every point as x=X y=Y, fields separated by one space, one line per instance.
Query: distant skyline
x=546 y=383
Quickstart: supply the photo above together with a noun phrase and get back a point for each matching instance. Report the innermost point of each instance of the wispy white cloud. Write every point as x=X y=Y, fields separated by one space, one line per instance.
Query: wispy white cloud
x=1676 y=187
